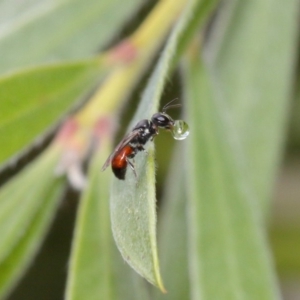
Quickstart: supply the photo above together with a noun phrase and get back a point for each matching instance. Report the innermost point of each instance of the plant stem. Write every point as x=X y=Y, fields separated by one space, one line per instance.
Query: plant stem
x=143 y=43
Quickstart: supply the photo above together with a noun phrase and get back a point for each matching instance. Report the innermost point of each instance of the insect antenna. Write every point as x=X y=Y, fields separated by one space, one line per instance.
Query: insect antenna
x=168 y=105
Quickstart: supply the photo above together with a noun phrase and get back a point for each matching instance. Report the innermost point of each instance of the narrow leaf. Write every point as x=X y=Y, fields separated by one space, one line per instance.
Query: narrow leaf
x=96 y=269
x=254 y=46
x=128 y=284
x=172 y=231
x=133 y=211
x=35 y=32
x=31 y=101
x=23 y=189
x=27 y=229
x=228 y=253
x=90 y=273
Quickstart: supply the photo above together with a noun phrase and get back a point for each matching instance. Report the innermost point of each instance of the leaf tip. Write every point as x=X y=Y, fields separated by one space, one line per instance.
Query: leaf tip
x=162 y=288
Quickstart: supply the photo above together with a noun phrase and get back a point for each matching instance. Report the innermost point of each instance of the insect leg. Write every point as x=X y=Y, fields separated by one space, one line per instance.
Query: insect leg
x=141 y=148
x=131 y=166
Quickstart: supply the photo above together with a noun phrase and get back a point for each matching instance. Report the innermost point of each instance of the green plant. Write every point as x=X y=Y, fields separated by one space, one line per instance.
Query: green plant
x=213 y=218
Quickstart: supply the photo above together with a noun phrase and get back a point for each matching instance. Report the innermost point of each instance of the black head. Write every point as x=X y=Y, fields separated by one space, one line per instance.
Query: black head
x=162 y=120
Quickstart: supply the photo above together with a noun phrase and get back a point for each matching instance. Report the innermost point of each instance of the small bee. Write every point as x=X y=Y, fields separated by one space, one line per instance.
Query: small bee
x=135 y=141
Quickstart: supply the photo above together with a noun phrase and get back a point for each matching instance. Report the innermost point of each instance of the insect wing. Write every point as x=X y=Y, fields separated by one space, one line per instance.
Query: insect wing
x=126 y=140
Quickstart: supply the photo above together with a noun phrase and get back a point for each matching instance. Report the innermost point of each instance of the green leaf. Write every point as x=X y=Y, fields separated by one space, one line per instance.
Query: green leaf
x=33 y=100
x=96 y=270
x=126 y=277
x=254 y=53
x=13 y=220
x=34 y=32
x=29 y=202
x=228 y=256
x=90 y=273
x=172 y=230
x=133 y=211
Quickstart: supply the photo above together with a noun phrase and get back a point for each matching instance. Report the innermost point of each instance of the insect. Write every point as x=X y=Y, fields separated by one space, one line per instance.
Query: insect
x=142 y=132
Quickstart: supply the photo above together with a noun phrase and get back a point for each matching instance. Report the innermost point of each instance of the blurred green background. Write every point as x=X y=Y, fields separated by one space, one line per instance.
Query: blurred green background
x=47 y=275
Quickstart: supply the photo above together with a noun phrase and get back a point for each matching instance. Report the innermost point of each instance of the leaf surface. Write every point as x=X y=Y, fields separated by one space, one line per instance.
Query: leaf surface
x=228 y=255
x=90 y=273
x=172 y=229
x=133 y=210
x=33 y=100
x=27 y=217
x=96 y=270
x=133 y=201
x=35 y=32
x=252 y=56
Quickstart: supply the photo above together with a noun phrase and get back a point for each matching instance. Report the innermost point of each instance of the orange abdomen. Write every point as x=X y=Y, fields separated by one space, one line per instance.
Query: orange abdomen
x=119 y=163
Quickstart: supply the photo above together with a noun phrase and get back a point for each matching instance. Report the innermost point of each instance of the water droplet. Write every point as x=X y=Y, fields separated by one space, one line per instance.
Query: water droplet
x=180 y=130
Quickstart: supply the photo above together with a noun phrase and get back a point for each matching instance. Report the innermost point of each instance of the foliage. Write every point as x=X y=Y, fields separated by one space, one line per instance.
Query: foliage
x=236 y=79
